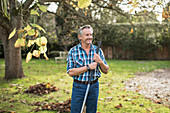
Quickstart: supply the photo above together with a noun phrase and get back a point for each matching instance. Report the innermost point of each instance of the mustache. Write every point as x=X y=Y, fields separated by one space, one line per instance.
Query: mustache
x=89 y=38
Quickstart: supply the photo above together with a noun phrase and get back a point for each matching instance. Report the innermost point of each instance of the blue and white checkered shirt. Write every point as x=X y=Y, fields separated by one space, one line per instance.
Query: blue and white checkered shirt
x=77 y=57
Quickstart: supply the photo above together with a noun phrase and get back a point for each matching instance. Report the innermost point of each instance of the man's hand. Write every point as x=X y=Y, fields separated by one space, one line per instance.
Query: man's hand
x=104 y=67
x=97 y=58
x=93 y=65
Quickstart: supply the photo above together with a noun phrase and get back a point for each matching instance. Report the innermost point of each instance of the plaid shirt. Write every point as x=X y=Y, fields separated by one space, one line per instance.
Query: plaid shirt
x=77 y=57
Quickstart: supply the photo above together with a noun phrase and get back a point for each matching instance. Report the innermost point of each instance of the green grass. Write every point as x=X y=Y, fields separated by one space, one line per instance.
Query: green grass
x=112 y=91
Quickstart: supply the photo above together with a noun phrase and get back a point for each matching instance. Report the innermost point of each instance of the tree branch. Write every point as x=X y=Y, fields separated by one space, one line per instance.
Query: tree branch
x=4 y=22
x=27 y=13
x=118 y=10
x=79 y=14
x=27 y=4
x=51 y=0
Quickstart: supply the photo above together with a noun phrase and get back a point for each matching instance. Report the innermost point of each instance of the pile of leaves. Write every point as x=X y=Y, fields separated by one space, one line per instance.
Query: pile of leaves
x=60 y=107
x=6 y=111
x=42 y=88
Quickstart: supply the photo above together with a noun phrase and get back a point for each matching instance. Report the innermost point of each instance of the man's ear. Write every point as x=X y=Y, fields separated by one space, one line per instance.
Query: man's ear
x=79 y=36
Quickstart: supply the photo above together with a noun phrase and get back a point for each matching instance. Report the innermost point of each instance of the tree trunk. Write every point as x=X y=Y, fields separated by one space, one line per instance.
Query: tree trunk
x=13 y=59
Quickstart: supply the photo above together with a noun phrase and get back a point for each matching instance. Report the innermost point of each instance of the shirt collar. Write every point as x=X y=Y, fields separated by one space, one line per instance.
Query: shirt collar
x=91 y=47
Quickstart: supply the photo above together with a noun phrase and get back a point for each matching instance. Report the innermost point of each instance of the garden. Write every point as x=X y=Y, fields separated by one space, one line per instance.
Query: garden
x=135 y=41
x=114 y=96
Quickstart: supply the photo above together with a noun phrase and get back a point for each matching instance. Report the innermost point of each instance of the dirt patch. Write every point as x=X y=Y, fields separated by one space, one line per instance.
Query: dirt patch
x=154 y=85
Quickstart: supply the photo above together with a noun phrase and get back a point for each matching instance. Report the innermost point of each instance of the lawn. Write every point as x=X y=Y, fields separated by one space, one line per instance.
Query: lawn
x=112 y=91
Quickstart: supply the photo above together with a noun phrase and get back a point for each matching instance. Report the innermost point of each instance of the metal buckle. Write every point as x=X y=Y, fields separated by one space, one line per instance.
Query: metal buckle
x=86 y=82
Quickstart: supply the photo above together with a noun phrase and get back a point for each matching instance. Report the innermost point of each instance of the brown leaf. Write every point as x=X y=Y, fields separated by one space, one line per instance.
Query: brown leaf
x=3 y=110
x=119 y=106
x=11 y=106
x=109 y=92
x=149 y=109
x=133 y=103
x=23 y=101
x=109 y=98
x=130 y=2
x=141 y=105
x=159 y=101
x=42 y=88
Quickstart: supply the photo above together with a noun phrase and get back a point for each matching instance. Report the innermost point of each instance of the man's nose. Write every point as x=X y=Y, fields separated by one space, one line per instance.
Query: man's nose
x=90 y=36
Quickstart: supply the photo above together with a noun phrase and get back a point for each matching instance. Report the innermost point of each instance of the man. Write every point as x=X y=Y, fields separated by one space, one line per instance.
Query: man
x=81 y=60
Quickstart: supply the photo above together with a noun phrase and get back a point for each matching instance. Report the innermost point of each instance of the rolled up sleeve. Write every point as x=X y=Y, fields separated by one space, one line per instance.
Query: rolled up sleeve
x=102 y=56
x=70 y=61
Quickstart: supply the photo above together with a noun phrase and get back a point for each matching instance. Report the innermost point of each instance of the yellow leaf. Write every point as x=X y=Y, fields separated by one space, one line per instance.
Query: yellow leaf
x=42 y=8
x=31 y=32
x=25 y=35
x=76 y=8
x=43 y=41
x=34 y=12
x=22 y=42
x=84 y=3
x=131 y=11
x=30 y=42
x=36 y=33
x=29 y=57
x=39 y=27
x=38 y=41
x=43 y=49
x=157 y=15
x=12 y=33
x=145 y=11
x=74 y=5
x=19 y=43
x=36 y=53
x=46 y=56
x=71 y=3
x=27 y=28
x=135 y=5
x=48 y=85
x=131 y=31
x=86 y=13
x=12 y=112
x=166 y=29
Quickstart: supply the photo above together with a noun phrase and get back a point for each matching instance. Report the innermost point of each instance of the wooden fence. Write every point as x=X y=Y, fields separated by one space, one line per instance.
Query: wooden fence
x=112 y=52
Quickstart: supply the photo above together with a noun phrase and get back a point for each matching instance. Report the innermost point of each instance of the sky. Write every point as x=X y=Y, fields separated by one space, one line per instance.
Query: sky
x=148 y=3
x=127 y=7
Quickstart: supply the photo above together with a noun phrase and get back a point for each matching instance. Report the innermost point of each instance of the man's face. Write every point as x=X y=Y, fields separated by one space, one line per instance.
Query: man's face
x=87 y=36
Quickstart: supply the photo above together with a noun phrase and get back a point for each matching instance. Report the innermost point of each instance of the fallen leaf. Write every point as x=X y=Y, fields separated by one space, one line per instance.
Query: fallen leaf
x=23 y=101
x=109 y=92
x=133 y=103
x=119 y=106
x=109 y=98
x=60 y=107
x=141 y=105
x=149 y=109
x=42 y=88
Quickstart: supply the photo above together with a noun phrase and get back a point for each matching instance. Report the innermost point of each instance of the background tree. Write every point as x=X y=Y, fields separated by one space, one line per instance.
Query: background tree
x=15 y=15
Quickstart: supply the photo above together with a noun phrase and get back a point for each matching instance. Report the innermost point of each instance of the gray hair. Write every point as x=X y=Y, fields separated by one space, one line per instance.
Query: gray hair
x=80 y=30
